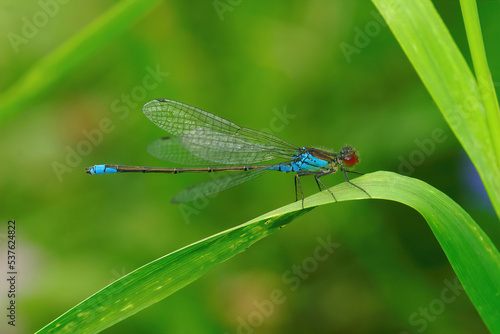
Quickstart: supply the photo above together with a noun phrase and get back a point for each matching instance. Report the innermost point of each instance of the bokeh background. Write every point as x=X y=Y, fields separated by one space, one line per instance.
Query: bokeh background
x=301 y=69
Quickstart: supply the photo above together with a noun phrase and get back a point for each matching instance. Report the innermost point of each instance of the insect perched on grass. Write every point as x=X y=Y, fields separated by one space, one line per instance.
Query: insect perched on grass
x=204 y=139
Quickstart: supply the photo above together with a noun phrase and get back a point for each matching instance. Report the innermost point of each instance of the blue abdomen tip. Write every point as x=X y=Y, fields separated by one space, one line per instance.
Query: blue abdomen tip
x=102 y=169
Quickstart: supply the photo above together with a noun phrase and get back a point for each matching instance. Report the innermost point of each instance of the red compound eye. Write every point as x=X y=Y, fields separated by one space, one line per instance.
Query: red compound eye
x=350 y=160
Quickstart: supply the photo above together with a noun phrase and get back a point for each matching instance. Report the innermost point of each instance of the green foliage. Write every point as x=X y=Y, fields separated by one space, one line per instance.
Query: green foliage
x=468 y=105
x=471 y=253
x=257 y=54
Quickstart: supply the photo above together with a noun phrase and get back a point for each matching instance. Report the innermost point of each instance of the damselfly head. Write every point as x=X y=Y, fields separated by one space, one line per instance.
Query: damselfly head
x=349 y=156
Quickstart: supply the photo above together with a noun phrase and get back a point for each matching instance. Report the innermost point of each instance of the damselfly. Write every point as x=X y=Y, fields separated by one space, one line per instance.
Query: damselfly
x=204 y=139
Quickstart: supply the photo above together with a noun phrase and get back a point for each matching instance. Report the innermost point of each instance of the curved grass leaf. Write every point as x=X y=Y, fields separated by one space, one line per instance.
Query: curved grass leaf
x=474 y=258
x=461 y=99
x=482 y=71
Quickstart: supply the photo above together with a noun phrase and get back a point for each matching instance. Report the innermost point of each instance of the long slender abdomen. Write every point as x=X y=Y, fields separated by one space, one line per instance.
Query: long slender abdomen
x=112 y=169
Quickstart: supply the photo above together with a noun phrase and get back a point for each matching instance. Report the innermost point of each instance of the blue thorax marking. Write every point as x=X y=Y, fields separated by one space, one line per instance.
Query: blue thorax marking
x=302 y=161
x=310 y=162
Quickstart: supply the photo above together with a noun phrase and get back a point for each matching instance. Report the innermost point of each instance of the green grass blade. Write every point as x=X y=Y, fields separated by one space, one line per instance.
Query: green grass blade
x=54 y=67
x=430 y=48
x=474 y=258
x=483 y=74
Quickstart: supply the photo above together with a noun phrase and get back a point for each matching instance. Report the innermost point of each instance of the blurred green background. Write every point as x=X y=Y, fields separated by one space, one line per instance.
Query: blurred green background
x=280 y=66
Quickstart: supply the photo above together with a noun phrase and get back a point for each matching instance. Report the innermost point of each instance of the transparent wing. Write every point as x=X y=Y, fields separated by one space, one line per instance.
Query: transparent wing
x=227 y=149
x=195 y=153
x=216 y=185
x=214 y=138
x=171 y=149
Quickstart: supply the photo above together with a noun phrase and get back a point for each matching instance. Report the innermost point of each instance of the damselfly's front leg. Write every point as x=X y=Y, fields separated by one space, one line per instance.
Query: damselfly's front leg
x=349 y=181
